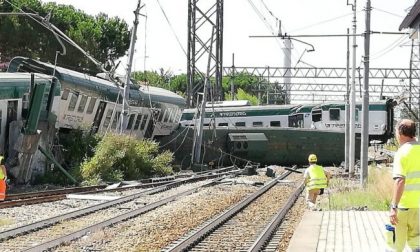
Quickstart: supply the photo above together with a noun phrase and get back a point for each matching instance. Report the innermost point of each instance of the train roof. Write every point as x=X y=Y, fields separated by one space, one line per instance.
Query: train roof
x=247 y=108
x=17 y=77
x=377 y=105
x=154 y=93
x=237 y=103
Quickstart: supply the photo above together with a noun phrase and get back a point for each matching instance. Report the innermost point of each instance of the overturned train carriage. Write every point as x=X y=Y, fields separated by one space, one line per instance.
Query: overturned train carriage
x=94 y=103
x=32 y=110
x=267 y=146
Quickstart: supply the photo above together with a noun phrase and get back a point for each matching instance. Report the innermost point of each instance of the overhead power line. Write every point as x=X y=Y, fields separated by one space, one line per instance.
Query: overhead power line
x=172 y=28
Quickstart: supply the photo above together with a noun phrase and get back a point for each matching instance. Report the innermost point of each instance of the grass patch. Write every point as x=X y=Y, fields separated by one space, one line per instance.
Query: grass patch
x=347 y=194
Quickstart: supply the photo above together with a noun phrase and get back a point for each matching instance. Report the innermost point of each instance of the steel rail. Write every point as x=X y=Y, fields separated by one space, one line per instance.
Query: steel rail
x=201 y=233
x=267 y=233
x=50 y=221
x=54 y=196
x=30 y=198
x=67 y=238
x=20 y=196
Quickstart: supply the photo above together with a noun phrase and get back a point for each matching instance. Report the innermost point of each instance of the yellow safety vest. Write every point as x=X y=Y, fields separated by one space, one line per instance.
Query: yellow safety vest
x=1 y=171
x=408 y=158
x=317 y=177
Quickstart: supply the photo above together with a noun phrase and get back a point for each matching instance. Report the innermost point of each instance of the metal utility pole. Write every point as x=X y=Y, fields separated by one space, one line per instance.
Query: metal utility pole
x=347 y=96
x=287 y=51
x=365 y=107
x=126 y=94
x=202 y=18
x=352 y=135
x=198 y=138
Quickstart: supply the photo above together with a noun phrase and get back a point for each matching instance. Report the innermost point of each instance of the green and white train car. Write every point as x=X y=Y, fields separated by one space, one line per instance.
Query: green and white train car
x=320 y=117
x=381 y=117
x=96 y=103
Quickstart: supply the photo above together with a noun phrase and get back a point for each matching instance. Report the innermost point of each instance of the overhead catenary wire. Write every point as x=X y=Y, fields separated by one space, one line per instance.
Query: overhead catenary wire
x=172 y=28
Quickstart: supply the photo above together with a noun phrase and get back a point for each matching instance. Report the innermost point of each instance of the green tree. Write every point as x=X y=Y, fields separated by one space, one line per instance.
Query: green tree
x=243 y=95
x=106 y=39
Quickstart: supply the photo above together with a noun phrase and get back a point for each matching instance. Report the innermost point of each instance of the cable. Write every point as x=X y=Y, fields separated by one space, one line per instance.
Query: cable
x=172 y=29
x=323 y=22
x=388 y=12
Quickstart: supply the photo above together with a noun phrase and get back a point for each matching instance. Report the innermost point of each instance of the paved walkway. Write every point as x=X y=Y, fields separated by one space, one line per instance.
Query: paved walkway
x=340 y=231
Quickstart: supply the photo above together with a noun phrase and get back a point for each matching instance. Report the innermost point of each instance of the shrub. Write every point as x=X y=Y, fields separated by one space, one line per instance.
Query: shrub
x=119 y=157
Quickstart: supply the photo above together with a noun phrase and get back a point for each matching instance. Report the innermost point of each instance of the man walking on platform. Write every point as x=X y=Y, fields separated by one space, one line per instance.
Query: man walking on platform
x=3 y=178
x=404 y=213
x=316 y=179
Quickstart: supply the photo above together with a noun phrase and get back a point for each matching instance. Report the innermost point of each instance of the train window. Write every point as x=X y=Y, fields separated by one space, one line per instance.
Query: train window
x=357 y=115
x=257 y=124
x=206 y=125
x=25 y=101
x=91 y=106
x=240 y=124
x=168 y=112
x=65 y=94
x=238 y=145
x=130 y=121
x=107 y=118
x=223 y=124
x=160 y=119
x=334 y=114
x=82 y=104
x=275 y=124
x=116 y=119
x=137 y=124
x=143 y=123
x=73 y=101
x=316 y=115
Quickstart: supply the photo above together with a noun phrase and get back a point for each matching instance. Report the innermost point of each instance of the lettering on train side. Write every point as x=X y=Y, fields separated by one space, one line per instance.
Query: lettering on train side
x=232 y=114
x=73 y=118
x=340 y=125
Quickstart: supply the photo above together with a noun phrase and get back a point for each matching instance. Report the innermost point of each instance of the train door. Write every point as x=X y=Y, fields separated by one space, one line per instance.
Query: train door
x=2 y=125
x=11 y=115
x=98 y=117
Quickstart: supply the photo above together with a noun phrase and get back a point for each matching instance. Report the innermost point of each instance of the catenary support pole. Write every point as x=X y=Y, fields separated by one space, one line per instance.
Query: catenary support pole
x=352 y=134
x=365 y=107
x=347 y=119
x=287 y=51
x=232 y=79
x=126 y=94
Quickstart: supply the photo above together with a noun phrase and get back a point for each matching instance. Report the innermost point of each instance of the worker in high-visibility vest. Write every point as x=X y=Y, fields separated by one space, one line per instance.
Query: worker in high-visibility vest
x=3 y=178
x=404 y=213
x=316 y=179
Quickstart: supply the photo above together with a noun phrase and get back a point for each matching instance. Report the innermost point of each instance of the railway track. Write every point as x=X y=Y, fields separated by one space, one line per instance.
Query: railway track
x=76 y=224
x=244 y=226
x=14 y=200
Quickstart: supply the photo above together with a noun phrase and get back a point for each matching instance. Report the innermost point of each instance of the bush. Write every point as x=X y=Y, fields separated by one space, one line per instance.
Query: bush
x=119 y=157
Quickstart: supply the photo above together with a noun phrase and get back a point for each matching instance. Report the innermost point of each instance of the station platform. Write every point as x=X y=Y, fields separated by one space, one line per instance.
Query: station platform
x=326 y=231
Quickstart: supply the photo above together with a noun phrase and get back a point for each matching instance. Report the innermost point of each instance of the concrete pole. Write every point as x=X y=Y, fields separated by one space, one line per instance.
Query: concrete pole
x=352 y=135
x=347 y=119
x=287 y=51
x=232 y=83
x=126 y=94
x=365 y=107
